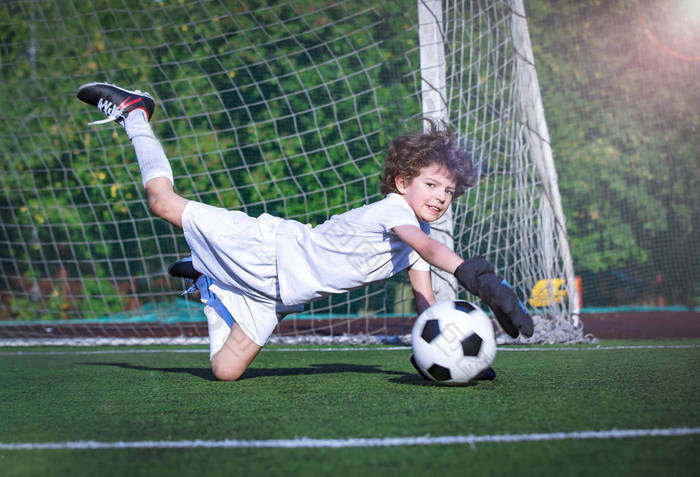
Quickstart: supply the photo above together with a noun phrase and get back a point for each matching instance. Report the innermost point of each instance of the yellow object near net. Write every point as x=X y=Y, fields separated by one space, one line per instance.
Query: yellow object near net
x=548 y=291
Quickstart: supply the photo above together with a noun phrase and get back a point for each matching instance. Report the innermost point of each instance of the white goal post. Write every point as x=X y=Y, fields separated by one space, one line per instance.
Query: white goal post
x=434 y=105
x=284 y=107
x=552 y=219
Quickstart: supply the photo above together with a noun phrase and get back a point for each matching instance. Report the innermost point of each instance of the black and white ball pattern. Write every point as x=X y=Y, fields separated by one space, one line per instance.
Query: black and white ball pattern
x=453 y=342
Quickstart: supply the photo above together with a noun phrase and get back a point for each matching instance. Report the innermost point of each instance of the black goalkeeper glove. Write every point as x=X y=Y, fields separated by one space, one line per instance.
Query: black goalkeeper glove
x=478 y=277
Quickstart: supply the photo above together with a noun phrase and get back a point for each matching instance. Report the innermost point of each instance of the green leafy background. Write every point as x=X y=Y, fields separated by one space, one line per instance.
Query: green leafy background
x=620 y=88
x=619 y=85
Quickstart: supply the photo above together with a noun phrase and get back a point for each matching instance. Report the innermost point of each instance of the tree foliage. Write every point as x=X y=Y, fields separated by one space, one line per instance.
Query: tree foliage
x=287 y=107
x=619 y=84
x=279 y=107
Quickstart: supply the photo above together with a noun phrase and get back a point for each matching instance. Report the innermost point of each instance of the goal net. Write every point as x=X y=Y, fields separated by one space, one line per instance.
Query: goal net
x=285 y=107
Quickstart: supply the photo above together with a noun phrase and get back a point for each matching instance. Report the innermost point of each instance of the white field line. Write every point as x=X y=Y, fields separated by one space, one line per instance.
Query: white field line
x=306 y=442
x=601 y=348
x=353 y=348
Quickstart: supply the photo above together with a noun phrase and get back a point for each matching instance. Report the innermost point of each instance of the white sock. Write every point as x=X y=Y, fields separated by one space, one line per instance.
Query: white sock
x=218 y=331
x=149 y=152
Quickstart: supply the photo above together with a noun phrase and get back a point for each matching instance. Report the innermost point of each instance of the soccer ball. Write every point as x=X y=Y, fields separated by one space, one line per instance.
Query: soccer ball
x=453 y=342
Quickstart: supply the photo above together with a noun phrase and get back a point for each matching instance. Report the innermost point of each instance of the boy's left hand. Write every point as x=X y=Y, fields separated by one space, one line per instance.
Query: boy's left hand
x=478 y=277
x=509 y=311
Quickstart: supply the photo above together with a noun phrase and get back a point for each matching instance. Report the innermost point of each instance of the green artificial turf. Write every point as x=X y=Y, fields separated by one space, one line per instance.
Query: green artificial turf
x=370 y=393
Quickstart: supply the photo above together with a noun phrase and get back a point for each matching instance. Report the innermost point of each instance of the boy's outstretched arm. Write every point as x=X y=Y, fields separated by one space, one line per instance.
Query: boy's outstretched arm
x=476 y=275
x=432 y=251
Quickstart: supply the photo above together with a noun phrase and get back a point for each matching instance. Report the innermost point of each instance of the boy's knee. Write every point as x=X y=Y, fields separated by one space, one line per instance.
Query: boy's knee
x=231 y=361
x=223 y=372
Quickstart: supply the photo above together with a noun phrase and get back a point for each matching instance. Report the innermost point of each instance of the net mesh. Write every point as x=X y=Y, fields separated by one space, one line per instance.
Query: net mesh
x=283 y=107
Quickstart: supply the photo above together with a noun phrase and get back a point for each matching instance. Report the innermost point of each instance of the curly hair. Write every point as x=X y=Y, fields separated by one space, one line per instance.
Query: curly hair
x=411 y=152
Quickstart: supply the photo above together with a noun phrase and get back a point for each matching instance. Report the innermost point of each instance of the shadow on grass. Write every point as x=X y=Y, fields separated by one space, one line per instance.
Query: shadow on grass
x=417 y=380
x=204 y=373
x=252 y=373
x=322 y=368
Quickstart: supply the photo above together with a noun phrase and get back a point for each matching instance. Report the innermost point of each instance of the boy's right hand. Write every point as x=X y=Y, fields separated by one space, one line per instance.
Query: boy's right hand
x=479 y=278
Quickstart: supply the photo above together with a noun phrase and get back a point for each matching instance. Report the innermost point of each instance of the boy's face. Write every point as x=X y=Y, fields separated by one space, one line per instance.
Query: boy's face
x=430 y=193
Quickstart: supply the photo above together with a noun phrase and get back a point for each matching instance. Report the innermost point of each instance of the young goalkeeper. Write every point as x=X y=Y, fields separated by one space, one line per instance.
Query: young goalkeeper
x=251 y=272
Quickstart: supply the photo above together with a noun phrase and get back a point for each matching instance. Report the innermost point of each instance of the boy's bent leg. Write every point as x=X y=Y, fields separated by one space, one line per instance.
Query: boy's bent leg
x=235 y=356
x=133 y=110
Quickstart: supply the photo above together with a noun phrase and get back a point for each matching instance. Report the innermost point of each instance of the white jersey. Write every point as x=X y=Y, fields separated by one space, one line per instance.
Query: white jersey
x=347 y=251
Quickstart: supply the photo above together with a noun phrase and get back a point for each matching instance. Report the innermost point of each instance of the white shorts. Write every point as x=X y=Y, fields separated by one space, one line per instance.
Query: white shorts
x=256 y=317
x=238 y=252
